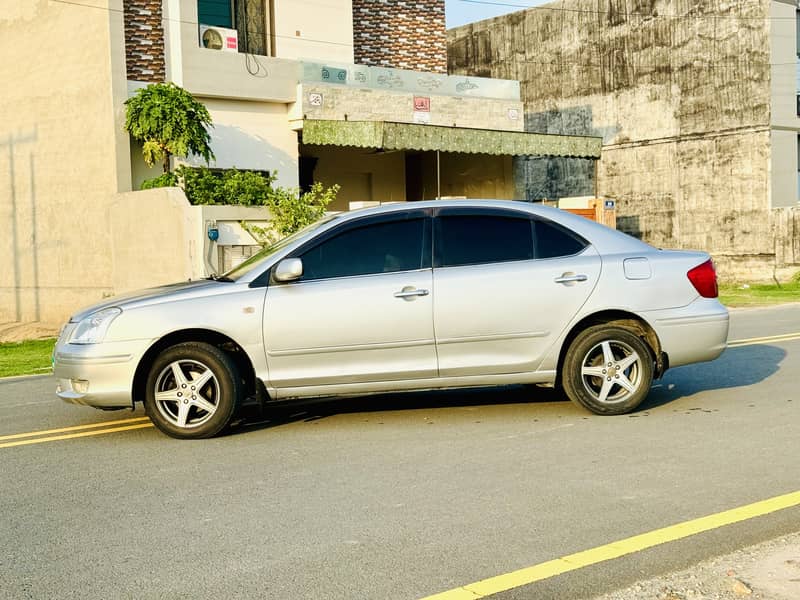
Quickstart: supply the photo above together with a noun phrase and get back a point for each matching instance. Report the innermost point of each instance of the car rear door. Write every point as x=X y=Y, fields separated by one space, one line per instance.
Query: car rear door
x=362 y=311
x=505 y=285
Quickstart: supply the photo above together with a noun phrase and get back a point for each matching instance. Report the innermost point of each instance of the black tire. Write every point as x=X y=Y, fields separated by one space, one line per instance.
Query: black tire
x=182 y=411
x=614 y=389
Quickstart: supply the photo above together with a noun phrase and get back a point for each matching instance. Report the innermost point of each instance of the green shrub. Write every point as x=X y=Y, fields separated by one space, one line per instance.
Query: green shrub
x=228 y=186
x=163 y=180
x=201 y=185
x=246 y=187
x=292 y=210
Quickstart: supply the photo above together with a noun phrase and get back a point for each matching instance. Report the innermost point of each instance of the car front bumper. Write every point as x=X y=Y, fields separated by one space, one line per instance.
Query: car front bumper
x=98 y=375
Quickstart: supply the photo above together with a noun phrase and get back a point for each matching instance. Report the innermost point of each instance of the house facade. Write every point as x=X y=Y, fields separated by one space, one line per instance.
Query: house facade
x=346 y=92
x=697 y=104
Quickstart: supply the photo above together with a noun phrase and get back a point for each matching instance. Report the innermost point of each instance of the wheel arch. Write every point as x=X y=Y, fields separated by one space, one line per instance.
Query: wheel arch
x=208 y=336
x=625 y=319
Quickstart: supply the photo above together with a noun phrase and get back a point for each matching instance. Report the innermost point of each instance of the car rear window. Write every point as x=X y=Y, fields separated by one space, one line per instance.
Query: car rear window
x=553 y=240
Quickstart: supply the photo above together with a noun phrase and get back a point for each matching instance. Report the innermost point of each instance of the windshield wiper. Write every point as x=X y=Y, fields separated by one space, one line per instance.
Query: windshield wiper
x=215 y=277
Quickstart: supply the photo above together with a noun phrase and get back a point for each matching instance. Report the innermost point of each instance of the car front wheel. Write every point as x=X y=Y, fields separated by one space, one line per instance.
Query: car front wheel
x=608 y=369
x=192 y=391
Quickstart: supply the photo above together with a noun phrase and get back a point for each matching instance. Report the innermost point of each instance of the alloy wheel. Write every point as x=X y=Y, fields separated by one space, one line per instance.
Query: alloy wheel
x=187 y=393
x=611 y=372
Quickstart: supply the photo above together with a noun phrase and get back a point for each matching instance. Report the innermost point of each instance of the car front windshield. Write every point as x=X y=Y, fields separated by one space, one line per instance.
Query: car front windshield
x=255 y=260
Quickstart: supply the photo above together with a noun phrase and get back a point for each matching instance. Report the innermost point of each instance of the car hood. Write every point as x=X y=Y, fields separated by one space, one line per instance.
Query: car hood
x=154 y=295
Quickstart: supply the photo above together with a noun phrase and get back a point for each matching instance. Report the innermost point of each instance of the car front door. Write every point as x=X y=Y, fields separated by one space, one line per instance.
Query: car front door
x=361 y=313
x=505 y=285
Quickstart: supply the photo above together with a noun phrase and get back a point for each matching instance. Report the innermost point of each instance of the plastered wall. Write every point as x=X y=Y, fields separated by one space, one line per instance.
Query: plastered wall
x=62 y=156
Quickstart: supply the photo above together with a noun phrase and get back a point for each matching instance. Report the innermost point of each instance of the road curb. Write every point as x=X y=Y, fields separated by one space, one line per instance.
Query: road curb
x=12 y=378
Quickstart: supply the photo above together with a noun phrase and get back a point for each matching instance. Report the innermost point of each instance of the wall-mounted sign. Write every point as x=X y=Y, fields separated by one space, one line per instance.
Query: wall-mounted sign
x=332 y=75
x=610 y=204
x=421 y=117
x=315 y=99
x=422 y=104
x=513 y=114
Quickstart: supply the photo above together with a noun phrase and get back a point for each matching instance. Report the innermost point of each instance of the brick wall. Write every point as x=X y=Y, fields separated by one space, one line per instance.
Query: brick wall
x=144 y=40
x=405 y=34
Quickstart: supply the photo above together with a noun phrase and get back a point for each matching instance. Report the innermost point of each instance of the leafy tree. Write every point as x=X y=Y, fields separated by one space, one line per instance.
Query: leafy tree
x=168 y=121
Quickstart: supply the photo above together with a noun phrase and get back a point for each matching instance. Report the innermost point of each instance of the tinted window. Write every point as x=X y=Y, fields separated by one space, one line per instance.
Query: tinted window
x=553 y=241
x=379 y=248
x=470 y=240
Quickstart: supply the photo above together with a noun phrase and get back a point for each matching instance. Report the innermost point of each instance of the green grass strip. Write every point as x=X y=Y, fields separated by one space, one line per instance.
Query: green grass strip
x=759 y=294
x=32 y=357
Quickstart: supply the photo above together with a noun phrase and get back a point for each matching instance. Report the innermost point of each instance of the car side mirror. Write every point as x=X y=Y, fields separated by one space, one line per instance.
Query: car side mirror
x=289 y=269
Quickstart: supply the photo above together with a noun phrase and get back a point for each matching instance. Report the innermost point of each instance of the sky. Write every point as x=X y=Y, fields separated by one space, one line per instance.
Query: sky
x=459 y=12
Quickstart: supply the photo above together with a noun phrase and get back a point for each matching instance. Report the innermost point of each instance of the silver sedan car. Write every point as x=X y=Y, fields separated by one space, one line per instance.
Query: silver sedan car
x=416 y=296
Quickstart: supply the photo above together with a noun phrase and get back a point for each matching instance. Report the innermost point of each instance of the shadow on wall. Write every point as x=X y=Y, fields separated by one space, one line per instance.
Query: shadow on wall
x=554 y=177
x=236 y=147
x=233 y=147
x=630 y=225
x=24 y=241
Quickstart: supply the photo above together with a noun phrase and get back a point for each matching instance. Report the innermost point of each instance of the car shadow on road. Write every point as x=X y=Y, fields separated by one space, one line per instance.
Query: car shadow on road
x=737 y=367
x=319 y=408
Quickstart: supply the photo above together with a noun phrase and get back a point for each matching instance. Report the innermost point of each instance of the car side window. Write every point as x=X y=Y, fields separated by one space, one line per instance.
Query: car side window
x=553 y=241
x=480 y=239
x=377 y=248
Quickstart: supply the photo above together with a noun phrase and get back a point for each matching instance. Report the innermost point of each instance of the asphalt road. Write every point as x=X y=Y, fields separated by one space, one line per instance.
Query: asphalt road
x=400 y=496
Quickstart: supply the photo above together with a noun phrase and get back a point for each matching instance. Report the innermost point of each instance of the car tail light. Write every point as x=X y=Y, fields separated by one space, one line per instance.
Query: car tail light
x=704 y=279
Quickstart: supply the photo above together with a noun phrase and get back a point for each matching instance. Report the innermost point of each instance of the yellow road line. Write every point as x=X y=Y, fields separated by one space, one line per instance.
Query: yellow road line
x=69 y=436
x=637 y=543
x=75 y=428
x=787 y=337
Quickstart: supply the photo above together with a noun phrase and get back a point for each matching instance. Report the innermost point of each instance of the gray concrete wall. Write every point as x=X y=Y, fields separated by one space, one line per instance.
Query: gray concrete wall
x=681 y=93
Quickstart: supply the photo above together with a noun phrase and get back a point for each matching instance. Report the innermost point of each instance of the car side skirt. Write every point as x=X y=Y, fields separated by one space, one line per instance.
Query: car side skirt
x=382 y=387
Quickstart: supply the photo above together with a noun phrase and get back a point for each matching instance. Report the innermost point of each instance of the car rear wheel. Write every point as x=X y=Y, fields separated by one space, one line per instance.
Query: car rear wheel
x=608 y=369
x=192 y=391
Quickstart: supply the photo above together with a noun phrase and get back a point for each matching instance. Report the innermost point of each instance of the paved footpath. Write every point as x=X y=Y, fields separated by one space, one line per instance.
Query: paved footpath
x=766 y=571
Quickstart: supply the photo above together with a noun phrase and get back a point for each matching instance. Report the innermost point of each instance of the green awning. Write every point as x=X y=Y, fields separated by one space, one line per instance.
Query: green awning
x=407 y=136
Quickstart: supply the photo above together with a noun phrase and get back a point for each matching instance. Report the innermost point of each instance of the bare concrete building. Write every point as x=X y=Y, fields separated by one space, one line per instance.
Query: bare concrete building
x=697 y=104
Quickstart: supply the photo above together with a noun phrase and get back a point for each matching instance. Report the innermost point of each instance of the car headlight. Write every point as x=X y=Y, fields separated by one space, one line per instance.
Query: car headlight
x=93 y=328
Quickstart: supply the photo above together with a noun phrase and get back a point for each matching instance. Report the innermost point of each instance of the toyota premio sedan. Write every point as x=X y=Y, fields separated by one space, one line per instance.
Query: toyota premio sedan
x=429 y=295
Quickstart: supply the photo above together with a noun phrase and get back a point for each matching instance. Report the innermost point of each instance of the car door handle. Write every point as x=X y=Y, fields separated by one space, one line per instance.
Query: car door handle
x=570 y=278
x=404 y=293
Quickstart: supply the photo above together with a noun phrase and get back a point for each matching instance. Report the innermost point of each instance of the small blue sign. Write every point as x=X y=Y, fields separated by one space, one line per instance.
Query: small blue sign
x=610 y=204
